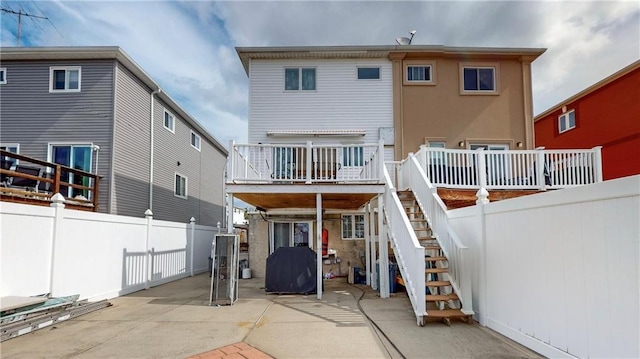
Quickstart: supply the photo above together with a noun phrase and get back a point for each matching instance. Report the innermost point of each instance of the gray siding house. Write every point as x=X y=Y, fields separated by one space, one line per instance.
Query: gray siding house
x=95 y=109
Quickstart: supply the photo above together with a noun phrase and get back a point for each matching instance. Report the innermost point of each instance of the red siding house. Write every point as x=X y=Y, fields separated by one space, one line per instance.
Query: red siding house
x=606 y=114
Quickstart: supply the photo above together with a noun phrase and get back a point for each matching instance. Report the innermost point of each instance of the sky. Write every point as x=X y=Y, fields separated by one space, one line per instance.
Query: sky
x=188 y=47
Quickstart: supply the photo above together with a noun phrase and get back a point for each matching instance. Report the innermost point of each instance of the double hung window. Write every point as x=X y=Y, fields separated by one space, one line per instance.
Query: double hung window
x=352 y=226
x=169 y=121
x=567 y=121
x=195 y=141
x=180 y=186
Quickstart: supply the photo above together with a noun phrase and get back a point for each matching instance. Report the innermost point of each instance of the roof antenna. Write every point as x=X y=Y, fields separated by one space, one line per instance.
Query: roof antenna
x=406 y=40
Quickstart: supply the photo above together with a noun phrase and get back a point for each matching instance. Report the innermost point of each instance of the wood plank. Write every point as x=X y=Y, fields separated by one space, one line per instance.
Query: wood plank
x=435 y=259
x=441 y=297
x=436 y=270
x=437 y=283
x=447 y=313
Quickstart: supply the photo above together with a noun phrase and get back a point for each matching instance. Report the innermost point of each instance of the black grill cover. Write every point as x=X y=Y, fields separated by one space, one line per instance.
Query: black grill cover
x=291 y=270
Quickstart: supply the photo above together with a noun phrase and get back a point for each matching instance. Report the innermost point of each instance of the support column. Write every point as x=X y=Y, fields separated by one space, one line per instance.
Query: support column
x=383 y=271
x=367 y=243
x=319 y=245
x=372 y=269
x=230 y=213
x=483 y=198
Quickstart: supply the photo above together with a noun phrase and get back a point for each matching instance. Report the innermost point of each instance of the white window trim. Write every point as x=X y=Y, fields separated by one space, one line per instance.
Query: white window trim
x=17 y=146
x=483 y=65
x=299 y=68
x=66 y=82
x=565 y=118
x=199 y=140
x=353 y=221
x=3 y=82
x=186 y=185
x=369 y=67
x=417 y=63
x=173 y=129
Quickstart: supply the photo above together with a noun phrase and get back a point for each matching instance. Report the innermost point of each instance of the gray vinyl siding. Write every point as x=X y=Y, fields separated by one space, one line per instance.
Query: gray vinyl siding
x=204 y=183
x=340 y=101
x=33 y=117
x=130 y=196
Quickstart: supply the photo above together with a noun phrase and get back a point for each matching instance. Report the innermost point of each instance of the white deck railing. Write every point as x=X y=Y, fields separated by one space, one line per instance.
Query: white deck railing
x=408 y=251
x=307 y=163
x=511 y=169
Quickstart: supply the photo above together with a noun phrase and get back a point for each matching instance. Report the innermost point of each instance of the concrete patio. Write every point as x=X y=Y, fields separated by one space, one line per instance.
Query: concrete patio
x=175 y=321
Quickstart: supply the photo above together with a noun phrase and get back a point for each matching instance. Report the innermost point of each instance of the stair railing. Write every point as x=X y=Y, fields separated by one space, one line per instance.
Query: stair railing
x=435 y=211
x=407 y=249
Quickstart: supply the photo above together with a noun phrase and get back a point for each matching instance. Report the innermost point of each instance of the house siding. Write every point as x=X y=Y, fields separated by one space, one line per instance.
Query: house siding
x=173 y=154
x=34 y=117
x=340 y=100
x=606 y=116
x=130 y=195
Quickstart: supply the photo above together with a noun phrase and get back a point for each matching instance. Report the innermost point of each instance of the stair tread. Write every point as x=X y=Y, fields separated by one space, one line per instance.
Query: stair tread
x=446 y=313
x=435 y=259
x=437 y=283
x=436 y=270
x=432 y=247
x=441 y=297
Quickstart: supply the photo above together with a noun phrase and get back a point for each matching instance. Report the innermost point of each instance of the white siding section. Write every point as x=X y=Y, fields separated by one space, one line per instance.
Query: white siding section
x=340 y=101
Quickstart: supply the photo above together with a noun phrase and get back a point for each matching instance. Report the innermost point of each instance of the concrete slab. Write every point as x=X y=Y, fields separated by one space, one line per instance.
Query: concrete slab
x=175 y=321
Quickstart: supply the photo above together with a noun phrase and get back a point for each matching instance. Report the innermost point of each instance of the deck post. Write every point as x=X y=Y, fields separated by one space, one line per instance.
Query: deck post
x=597 y=151
x=481 y=168
x=319 y=245
x=540 y=165
x=229 y=213
x=367 y=243
x=482 y=199
x=231 y=176
x=372 y=251
x=383 y=270
x=307 y=159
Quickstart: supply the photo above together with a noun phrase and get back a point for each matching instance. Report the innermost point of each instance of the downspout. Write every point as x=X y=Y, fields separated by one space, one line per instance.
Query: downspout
x=151 y=151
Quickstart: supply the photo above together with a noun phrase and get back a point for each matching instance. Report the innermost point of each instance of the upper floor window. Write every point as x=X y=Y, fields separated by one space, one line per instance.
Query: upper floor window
x=65 y=79
x=3 y=75
x=180 y=186
x=353 y=156
x=352 y=226
x=169 y=121
x=195 y=141
x=13 y=148
x=479 y=79
x=419 y=73
x=296 y=79
x=567 y=121
x=368 y=73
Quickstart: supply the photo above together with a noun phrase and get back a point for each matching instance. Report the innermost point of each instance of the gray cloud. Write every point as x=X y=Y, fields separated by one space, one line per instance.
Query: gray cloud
x=188 y=46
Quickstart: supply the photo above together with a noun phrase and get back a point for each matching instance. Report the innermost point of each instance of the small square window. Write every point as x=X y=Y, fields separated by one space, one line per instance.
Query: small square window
x=65 y=79
x=567 y=121
x=13 y=148
x=368 y=73
x=352 y=226
x=299 y=78
x=479 y=79
x=195 y=141
x=419 y=73
x=180 y=188
x=169 y=121
x=3 y=75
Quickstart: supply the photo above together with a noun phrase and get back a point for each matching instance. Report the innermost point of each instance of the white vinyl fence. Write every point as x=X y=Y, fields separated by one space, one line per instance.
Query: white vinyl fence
x=98 y=256
x=560 y=271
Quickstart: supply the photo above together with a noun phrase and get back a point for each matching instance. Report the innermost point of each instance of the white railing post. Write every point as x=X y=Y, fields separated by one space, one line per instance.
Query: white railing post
x=148 y=215
x=597 y=152
x=380 y=172
x=424 y=158
x=481 y=167
x=540 y=160
x=308 y=162
x=372 y=252
x=367 y=245
x=383 y=270
x=230 y=162
x=58 y=208
x=482 y=199
x=192 y=225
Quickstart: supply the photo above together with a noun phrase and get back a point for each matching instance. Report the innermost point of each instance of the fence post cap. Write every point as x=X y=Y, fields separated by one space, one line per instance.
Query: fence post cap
x=483 y=196
x=192 y=220
x=148 y=213
x=57 y=198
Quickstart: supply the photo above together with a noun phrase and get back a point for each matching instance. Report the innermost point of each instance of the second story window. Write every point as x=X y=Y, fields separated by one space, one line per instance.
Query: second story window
x=567 y=121
x=479 y=79
x=368 y=73
x=419 y=73
x=195 y=141
x=3 y=75
x=65 y=79
x=169 y=121
x=296 y=79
